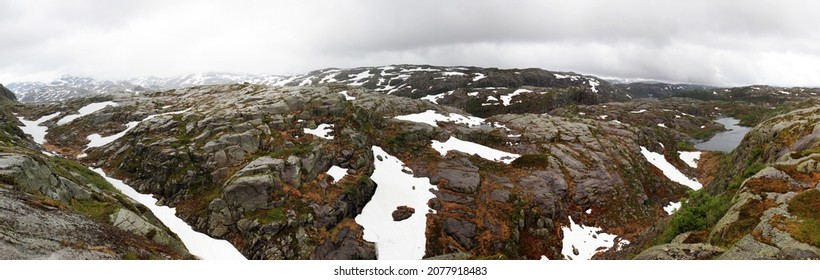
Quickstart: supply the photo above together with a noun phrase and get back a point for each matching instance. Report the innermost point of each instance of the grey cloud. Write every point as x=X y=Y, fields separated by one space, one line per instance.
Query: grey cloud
x=713 y=42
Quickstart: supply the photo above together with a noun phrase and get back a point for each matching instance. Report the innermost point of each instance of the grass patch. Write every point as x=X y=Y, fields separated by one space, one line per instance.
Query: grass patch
x=685 y=146
x=297 y=151
x=70 y=169
x=805 y=207
x=270 y=215
x=748 y=218
x=97 y=210
x=705 y=133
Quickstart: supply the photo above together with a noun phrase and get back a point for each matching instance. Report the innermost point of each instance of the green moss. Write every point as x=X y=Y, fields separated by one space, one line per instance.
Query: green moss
x=487 y=165
x=531 y=161
x=8 y=179
x=70 y=169
x=705 y=133
x=270 y=215
x=97 y=210
x=130 y=256
x=805 y=207
x=297 y=151
x=684 y=146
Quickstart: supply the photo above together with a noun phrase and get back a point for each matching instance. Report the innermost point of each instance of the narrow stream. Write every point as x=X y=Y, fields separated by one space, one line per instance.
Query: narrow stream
x=725 y=141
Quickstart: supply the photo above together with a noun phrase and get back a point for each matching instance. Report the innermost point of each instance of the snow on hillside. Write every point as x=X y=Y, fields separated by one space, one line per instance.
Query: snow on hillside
x=669 y=170
x=455 y=144
x=431 y=117
x=199 y=244
x=86 y=110
x=402 y=240
x=33 y=128
x=583 y=242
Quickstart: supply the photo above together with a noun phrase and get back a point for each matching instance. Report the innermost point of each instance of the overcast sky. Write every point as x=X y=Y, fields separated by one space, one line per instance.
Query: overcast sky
x=710 y=42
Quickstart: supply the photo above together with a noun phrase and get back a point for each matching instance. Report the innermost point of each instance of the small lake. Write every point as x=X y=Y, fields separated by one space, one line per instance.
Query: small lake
x=725 y=141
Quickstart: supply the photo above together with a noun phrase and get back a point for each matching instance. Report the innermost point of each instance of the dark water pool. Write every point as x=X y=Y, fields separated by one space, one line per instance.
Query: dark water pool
x=725 y=141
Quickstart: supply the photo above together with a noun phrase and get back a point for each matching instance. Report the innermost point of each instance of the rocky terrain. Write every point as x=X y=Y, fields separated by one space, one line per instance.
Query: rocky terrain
x=54 y=208
x=520 y=164
x=6 y=96
x=239 y=165
x=757 y=207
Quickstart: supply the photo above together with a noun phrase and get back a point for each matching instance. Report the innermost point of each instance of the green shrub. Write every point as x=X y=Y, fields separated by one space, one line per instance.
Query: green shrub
x=805 y=207
x=699 y=211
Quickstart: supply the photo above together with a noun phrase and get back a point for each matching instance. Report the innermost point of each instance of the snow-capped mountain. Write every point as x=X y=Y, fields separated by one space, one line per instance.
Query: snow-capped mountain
x=66 y=86
x=213 y=78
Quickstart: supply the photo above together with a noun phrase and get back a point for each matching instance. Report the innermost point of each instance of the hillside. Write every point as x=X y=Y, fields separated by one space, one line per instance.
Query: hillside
x=6 y=96
x=411 y=162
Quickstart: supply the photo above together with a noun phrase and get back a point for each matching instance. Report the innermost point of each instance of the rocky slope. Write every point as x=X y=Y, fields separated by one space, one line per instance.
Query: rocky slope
x=763 y=204
x=6 y=96
x=53 y=208
x=238 y=163
x=521 y=163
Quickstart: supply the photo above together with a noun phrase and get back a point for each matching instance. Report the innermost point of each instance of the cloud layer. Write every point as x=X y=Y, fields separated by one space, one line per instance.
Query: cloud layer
x=709 y=42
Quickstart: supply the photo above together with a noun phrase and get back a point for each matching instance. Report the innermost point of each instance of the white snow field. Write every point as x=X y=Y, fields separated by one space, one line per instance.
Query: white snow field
x=473 y=148
x=402 y=240
x=669 y=170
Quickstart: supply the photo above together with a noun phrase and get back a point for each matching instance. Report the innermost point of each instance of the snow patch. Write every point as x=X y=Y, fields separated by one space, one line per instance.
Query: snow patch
x=337 y=173
x=453 y=74
x=431 y=117
x=638 y=111
x=690 y=158
x=435 y=97
x=479 y=76
x=586 y=240
x=669 y=170
x=662 y=125
x=199 y=244
x=473 y=148
x=402 y=240
x=347 y=97
x=672 y=207
x=97 y=140
x=322 y=131
x=33 y=128
x=505 y=99
x=360 y=79
x=593 y=84
x=86 y=110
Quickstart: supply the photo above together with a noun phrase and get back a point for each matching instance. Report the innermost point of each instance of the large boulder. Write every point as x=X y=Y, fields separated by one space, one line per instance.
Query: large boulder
x=457 y=175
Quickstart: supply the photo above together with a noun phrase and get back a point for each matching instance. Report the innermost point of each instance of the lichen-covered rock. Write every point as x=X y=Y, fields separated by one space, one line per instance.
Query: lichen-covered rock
x=679 y=251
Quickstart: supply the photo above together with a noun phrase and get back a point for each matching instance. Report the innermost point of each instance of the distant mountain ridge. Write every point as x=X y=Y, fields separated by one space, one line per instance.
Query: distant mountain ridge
x=405 y=80
x=417 y=81
x=66 y=87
